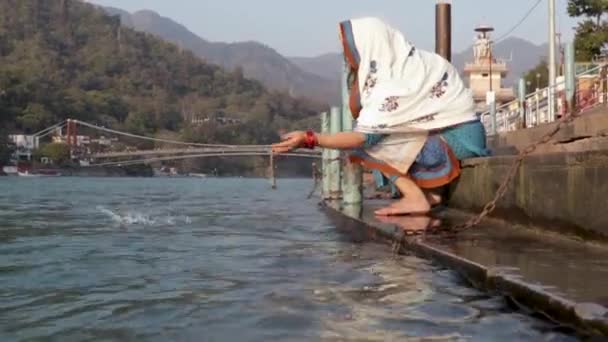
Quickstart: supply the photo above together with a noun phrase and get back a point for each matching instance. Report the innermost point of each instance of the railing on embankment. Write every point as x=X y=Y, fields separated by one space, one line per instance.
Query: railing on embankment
x=561 y=191
x=583 y=87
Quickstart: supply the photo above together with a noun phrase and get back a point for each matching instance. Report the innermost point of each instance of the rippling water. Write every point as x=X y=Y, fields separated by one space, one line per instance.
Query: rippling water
x=218 y=260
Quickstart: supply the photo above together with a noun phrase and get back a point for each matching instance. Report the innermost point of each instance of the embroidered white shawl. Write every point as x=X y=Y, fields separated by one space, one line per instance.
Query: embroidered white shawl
x=404 y=92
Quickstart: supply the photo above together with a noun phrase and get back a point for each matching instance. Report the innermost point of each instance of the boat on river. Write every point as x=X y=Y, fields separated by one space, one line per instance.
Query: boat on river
x=39 y=173
x=198 y=175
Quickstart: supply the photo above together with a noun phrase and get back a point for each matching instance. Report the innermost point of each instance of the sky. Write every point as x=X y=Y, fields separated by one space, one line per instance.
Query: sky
x=309 y=27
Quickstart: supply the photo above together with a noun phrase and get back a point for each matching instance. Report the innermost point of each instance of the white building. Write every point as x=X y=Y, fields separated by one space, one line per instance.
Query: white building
x=25 y=145
x=26 y=142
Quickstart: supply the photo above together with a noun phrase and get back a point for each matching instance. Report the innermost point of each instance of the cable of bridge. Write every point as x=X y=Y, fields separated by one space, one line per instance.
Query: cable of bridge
x=48 y=130
x=167 y=141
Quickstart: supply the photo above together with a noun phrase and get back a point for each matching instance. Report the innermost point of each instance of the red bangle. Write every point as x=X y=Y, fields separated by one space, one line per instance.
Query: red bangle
x=311 y=140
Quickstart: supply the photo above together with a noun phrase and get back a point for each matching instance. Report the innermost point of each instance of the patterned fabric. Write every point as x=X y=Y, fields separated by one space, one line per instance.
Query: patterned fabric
x=390 y=104
x=400 y=90
x=371 y=80
x=399 y=83
x=438 y=163
x=440 y=88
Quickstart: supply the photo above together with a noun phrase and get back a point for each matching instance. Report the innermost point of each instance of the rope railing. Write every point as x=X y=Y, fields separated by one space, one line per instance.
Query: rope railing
x=203 y=155
x=157 y=152
x=201 y=150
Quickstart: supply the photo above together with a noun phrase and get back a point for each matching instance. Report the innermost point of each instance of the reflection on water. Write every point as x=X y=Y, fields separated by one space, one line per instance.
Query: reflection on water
x=412 y=224
x=215 y=260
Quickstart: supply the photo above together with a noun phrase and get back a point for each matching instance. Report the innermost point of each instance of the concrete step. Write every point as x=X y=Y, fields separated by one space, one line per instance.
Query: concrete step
x=565 y=192
x=564 y=279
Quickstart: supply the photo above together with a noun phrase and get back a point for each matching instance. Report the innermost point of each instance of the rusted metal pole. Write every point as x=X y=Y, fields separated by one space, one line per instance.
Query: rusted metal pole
x=273 y=179
x=443 y=29
x=68 y=133
x=74 y=133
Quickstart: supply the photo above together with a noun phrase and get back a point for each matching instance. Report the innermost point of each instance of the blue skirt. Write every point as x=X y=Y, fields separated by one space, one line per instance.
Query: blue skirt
x=438 y=163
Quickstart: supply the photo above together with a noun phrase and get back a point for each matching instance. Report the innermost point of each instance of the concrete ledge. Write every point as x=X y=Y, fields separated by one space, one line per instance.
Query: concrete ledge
x=565 y=192
x=588 y=318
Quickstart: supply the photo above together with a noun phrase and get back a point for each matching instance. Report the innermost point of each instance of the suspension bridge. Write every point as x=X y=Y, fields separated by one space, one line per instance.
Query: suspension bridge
x=178 y=149
x=171 y=150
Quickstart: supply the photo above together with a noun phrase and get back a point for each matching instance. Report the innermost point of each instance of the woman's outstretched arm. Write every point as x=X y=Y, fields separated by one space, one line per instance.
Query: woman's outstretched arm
x=340 y=141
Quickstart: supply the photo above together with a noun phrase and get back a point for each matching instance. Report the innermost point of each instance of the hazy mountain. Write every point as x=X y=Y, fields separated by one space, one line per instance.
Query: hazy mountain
x=102 y=72
x=520 y=54
x=314 y=77
x=328 y=65
x=257 y=60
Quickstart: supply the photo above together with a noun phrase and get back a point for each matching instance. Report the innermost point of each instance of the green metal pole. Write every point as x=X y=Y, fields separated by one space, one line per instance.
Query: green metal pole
x=334 y=167
x=352 y=177
x=325 y=166
x=522 y=103
x=570 y=75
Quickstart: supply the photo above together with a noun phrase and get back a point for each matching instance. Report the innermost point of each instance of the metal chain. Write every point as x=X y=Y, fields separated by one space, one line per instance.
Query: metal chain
x=398 y=242
x=504 y=186
x=315 y=185
x=317 y=175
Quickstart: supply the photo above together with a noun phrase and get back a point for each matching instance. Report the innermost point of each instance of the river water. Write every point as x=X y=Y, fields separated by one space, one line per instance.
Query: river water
x=120 y=259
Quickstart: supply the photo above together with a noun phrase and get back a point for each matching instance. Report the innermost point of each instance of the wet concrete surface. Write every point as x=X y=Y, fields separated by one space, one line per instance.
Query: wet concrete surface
x=560 y=277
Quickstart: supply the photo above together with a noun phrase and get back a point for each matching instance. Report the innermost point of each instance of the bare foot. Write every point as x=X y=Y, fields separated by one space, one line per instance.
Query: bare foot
x=405 y=206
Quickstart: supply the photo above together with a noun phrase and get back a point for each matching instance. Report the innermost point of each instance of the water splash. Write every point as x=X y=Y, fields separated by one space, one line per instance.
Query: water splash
x=139 y=218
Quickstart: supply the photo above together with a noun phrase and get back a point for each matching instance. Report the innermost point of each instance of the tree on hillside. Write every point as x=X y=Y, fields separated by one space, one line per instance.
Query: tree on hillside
x=34 y=117
x=97 y=71
x=592 y=32
x=5 y=151
x=59 y=153
x=538 y=77
x=68 y=59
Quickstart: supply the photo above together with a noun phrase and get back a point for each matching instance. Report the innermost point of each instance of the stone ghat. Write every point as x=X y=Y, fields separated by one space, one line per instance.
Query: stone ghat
x=562 y=187
x=557 y=277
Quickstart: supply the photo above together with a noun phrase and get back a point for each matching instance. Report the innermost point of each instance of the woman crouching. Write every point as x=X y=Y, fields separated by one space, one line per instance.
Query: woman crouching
x=415 y=119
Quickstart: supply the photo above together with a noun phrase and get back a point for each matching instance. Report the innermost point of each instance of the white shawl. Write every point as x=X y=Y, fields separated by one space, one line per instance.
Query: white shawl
x=404 y=92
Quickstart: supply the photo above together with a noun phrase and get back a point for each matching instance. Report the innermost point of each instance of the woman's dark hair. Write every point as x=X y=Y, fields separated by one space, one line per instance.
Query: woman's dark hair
x=351 y=76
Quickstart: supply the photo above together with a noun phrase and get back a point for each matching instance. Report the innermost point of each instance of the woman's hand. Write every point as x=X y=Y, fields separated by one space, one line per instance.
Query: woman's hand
x=338 y=141
x=290 y=142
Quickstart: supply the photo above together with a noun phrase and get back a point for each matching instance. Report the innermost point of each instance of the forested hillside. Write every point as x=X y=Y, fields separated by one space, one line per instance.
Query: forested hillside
x=66 y=58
